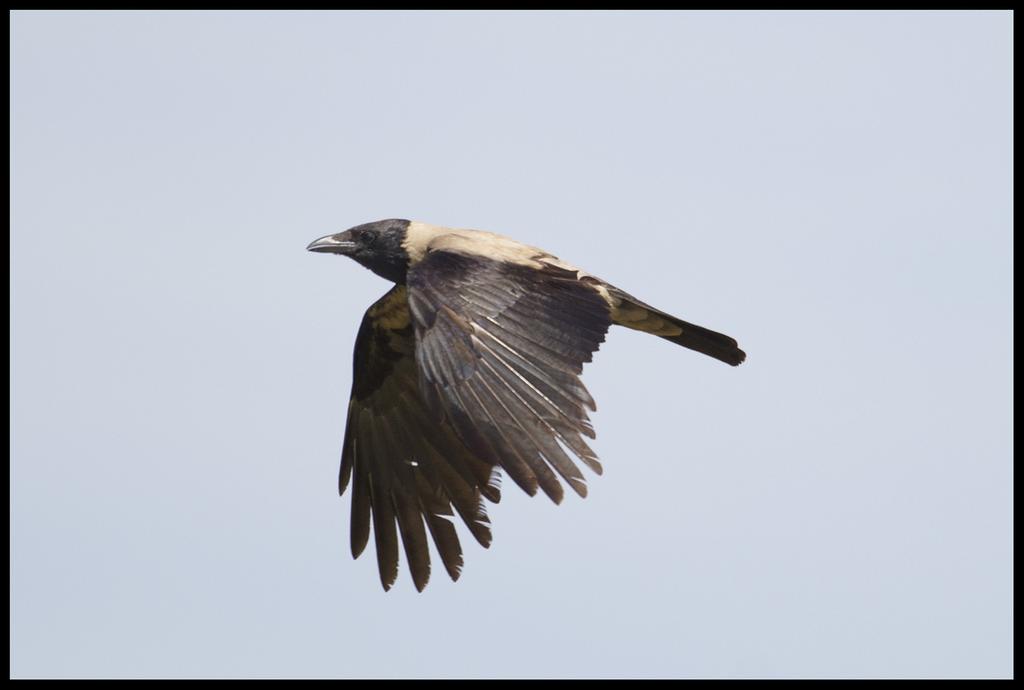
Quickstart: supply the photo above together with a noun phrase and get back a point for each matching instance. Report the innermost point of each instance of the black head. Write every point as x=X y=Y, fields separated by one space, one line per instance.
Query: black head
x=378 y=246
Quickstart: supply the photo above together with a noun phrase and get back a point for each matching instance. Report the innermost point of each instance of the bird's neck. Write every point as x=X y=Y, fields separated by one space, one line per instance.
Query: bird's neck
x=389 y=267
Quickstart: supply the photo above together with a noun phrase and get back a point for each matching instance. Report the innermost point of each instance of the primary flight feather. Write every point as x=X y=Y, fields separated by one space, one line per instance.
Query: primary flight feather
x=471 y=363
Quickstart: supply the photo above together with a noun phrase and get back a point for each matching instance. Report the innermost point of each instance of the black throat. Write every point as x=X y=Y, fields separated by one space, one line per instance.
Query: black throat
x=384 y=254
x=389 y=267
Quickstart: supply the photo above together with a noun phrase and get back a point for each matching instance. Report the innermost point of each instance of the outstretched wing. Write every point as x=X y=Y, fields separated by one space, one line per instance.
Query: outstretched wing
x=500 y=346
x=403 y=465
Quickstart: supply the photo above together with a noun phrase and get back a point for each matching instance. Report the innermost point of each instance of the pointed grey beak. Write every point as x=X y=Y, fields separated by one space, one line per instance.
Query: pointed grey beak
x=332 y=244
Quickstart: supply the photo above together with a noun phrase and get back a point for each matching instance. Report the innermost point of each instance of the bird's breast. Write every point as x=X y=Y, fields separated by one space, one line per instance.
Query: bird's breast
x=392 y=313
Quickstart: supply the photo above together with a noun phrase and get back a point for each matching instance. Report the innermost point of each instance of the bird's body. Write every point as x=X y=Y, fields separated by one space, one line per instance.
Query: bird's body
x=471 y=363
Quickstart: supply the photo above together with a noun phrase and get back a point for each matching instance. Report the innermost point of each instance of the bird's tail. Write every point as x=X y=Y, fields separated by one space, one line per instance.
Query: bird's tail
x=630 y=312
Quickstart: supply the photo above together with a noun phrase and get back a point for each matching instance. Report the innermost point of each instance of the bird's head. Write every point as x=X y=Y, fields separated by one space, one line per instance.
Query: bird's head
x=377 y=245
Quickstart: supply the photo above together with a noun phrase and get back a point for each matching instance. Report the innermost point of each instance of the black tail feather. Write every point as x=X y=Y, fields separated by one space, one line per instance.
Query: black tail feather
x=708 y=342
x=632 y=313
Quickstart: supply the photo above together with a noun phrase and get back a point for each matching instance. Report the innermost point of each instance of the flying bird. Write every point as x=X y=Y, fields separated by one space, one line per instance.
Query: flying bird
x=469 y=365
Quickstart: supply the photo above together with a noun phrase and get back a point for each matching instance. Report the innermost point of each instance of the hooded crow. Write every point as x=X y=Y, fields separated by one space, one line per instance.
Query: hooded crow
x=468 y=365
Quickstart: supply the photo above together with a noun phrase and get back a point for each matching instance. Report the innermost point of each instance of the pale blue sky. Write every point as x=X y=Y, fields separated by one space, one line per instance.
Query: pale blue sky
x=834 y=190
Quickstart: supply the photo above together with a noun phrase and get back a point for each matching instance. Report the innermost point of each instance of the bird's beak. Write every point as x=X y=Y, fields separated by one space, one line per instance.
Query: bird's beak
x=340 y=243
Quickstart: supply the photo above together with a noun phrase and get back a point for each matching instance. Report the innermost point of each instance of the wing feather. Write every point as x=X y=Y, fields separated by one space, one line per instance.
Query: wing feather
x=472 y=366
x=408 y=469
x=381 y=501
x=500 y=348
